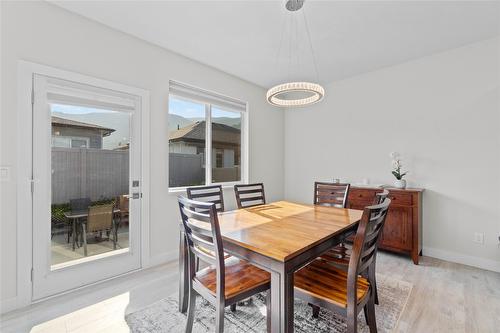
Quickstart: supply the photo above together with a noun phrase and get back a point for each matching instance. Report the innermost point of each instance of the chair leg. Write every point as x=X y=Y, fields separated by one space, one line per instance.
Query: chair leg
x=115 y=240
x=233 y=307
x=370 y=314
x=373 y=281
x=219 y=319
x=268 y=311
x=84 y=234
x=190 y=312
x=315 y=310
x=352 y=323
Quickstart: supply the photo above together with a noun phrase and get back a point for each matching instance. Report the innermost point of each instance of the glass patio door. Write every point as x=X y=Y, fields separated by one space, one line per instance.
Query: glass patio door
x=87 y=184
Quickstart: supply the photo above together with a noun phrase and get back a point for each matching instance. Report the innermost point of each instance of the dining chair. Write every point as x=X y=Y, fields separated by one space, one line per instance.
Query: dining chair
x=347 y=292
x=100 y=218
x=223 y=282
x=331 y=194
x=249 y=195
x=212 y=194
x=340 y=258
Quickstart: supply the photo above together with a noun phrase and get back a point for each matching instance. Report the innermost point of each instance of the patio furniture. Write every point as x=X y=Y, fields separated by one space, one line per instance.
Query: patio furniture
x=123 y=205
x=78 y=205
x=100 y=218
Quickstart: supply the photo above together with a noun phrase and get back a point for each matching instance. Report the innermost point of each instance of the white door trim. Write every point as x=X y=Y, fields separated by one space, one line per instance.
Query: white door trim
x=24 y=261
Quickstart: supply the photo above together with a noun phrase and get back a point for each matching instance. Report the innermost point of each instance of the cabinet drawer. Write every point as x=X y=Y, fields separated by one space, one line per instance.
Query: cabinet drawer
x=361 y=197
x=400 y=198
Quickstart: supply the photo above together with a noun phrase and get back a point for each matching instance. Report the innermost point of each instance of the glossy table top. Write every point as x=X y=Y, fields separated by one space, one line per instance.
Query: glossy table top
x=282 y=230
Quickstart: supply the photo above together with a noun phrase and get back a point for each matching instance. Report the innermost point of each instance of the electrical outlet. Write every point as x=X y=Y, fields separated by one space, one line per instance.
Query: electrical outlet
x=479 y=237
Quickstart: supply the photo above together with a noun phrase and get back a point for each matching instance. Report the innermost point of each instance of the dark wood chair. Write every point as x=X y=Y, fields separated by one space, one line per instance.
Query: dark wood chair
x=250 y=195
x=347 y=292
x=212 y=194
x=331 y=194
x=340 y=257
x=224 y=282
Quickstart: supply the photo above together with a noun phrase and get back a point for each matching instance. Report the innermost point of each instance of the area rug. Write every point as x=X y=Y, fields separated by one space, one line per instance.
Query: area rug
x=163 y=316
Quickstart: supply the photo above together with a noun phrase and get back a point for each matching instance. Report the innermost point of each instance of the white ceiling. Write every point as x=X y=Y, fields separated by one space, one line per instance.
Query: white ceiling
x=351 y=37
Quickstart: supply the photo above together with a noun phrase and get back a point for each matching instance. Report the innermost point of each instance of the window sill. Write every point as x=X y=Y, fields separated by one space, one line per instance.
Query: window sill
x=174 y=190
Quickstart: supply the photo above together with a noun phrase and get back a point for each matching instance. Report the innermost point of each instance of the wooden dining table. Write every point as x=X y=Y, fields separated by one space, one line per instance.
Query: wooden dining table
x=279 y=237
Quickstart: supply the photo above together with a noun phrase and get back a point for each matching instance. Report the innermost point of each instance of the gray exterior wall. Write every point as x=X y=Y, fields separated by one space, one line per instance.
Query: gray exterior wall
x=94 y=135
x=94 y=173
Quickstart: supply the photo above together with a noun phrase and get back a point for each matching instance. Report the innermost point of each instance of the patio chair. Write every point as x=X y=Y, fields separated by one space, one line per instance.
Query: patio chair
x=79 y=205
x=100 y=218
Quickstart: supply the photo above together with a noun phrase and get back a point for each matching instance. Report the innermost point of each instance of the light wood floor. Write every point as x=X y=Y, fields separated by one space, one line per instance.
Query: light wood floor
x=446 y=297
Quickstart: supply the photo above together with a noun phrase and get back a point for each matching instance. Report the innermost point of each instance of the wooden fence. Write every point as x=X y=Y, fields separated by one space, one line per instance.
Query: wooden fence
x=93 y=173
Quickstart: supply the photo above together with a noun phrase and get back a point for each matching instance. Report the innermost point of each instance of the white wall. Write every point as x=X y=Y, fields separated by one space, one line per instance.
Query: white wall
x=45 y=34
x=442 y=113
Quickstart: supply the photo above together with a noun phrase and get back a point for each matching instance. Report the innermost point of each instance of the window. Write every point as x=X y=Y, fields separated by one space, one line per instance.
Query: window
x=69 y=142
x=205 y=137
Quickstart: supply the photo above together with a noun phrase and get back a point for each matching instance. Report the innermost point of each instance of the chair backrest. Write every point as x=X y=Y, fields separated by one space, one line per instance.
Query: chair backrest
x=203 y=237
x=380 y=197
x=331 y=194
x=100 y=218
x=123 y=202
x=250 y=195
x=212 y=194
x=364 y=248
x=80 y=204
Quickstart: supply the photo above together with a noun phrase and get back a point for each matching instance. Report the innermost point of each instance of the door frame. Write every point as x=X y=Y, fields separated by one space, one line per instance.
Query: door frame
x=24 y=232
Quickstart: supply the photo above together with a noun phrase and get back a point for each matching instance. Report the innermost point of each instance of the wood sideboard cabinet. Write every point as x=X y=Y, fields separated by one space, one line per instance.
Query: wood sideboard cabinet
x=403 y=226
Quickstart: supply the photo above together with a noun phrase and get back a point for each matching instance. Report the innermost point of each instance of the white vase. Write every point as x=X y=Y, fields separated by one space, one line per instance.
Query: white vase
x=401 y=183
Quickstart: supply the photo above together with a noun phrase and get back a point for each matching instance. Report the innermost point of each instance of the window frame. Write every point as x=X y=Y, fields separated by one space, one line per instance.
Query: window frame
x=208 y=144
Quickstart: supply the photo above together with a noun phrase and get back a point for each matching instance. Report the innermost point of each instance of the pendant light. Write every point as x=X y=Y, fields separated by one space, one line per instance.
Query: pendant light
x=296 y=93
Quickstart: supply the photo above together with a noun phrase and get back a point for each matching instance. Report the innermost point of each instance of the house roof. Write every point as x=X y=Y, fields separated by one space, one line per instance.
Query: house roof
x=196 y=132
x=73 y=123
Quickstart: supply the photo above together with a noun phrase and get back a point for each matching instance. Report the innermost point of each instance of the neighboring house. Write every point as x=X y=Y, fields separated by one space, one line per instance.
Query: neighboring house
x=226 y=143
x=68 y=133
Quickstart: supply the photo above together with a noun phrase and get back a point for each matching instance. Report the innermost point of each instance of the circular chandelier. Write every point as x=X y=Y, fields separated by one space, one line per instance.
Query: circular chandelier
x=295 y=94
x=298 y=93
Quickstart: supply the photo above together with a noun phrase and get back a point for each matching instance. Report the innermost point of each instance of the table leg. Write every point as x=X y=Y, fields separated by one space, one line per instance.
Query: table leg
x=183 y=273
x=282 y=307
x=73 y=226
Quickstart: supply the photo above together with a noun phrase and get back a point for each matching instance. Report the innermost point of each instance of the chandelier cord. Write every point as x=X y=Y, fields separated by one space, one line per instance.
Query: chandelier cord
x=310 y=44
x=283 y=26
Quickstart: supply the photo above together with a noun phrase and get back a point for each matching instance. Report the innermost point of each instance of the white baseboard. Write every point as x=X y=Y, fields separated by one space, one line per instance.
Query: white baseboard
x=463 y=259
x=9 y=304
x=162 y=258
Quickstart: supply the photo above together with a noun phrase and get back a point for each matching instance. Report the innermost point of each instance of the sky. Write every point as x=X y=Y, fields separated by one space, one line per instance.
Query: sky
x=189 y=109
x=72 y=109
x=178 y=107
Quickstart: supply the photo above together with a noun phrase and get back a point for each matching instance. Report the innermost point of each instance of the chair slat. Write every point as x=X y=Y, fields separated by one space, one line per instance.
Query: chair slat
x=331 y=194
x=211 y=194
x=250 y=192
